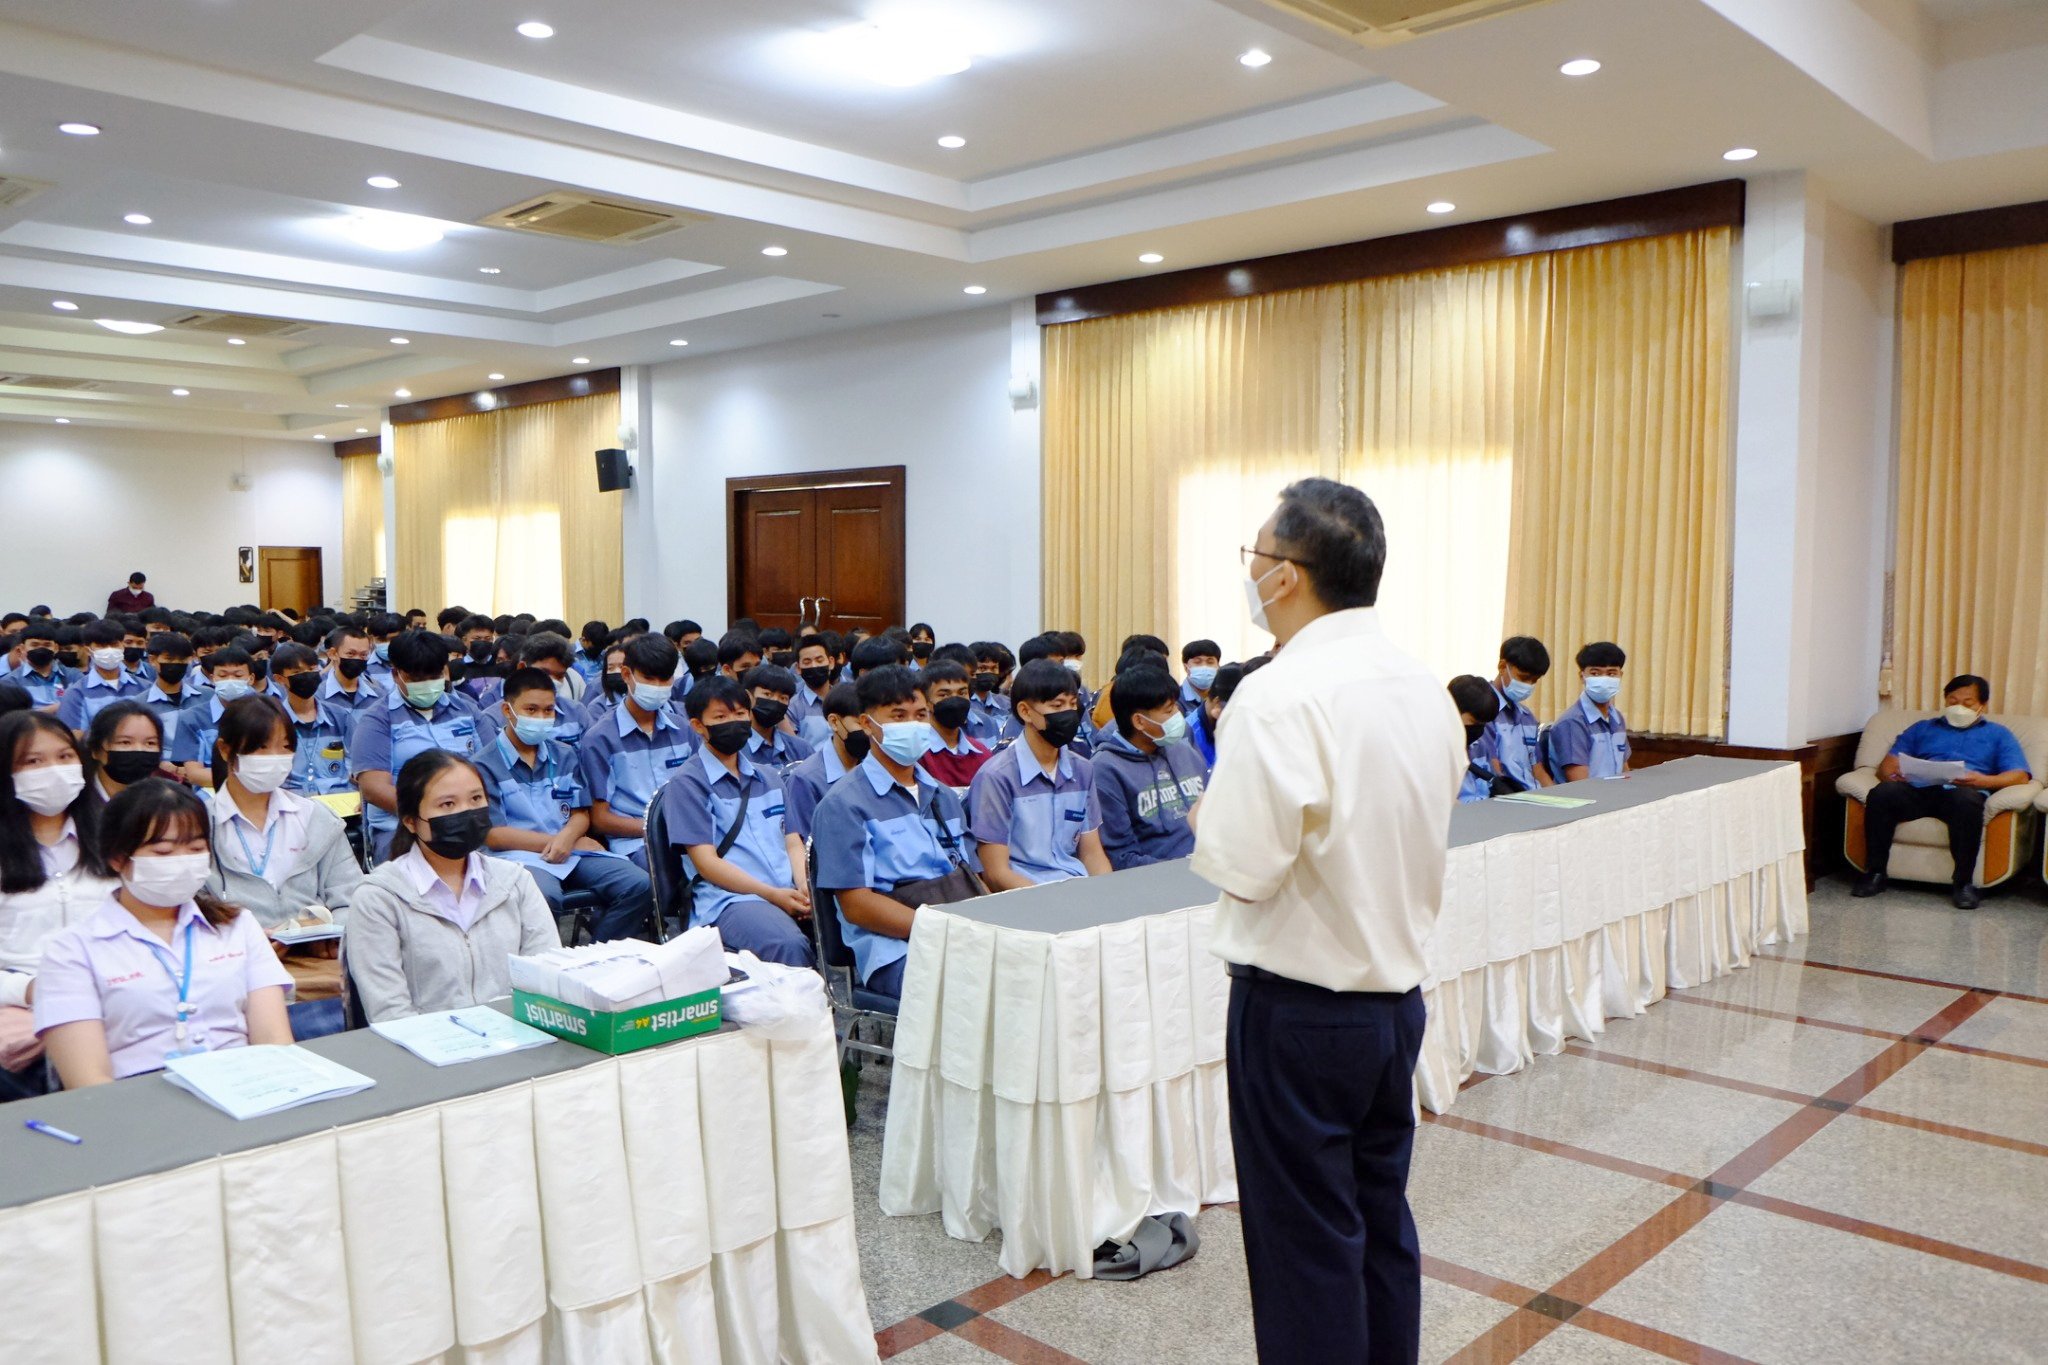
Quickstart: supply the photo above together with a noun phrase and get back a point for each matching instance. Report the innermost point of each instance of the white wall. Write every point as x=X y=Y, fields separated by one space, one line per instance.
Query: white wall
x=931 y=395
x=87 y=506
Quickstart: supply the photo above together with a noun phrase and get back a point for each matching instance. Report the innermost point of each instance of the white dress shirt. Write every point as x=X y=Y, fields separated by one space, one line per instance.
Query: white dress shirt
x=1327 y=820
x=271 y=850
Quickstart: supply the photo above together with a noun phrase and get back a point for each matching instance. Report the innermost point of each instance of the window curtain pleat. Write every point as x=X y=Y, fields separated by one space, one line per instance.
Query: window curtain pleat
x=362 y=523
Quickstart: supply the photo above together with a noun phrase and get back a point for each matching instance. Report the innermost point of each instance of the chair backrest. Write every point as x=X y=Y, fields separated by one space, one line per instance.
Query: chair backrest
x=832 y=949
x=664 y=863
x=1886 y=726
x=352 y=1015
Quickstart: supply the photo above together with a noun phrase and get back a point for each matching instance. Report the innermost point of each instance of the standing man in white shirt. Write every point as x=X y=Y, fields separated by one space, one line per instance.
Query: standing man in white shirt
x=1326 y=825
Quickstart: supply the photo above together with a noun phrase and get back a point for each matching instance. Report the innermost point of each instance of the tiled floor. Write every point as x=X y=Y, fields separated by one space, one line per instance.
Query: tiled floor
x=1838 y=1154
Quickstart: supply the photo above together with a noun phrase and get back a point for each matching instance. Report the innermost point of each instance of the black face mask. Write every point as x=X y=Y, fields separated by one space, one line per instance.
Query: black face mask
x=172 y=673
x=952 y=712
x=920 y=649
x=615 y=684
x=69 y=657
x=460 y=834
x=816 y=678
x=127 y=766
x=457 y=671
x=783 y=658
x=41 y=658
x=1473 y=732
x=728 y=737
x=983 y=683
x=351 y=668
x=483 y=651
x=133 y=655
x=857 y=744
x=1061 y=727
x=768 y=712
x=303 y=685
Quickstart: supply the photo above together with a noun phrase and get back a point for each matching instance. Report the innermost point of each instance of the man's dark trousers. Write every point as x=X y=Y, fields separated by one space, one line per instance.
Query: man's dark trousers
x=1891 y=804
x=1322 y=1116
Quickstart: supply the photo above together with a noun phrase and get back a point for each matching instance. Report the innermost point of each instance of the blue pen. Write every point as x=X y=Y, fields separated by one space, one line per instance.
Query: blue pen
x=47 y=1130
x=465 y=1024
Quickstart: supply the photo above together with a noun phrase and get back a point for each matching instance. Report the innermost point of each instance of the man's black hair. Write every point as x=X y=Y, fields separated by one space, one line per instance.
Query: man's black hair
x=652 y=656
x=1963 y=680
x=1042 y=681
x=1140 y=656
x=1145 y=687
x=771 y=677
x=701 y=656
x=1200 y=649
x=843 y=700
x=942 y=670
x=954 y=653
x=101 y=634
x=719 y=688
x=419 y=654
x=546 y=645
x=1334 y=534
x=1602 y=654
x=775 y=637
x=1475 y=697
x=735 y=645
x=889 y=685
x=1526 y=653
x=1147 y=642
x=1039 y=647
x=877 y=651
x=523 y=680
x=168 y=642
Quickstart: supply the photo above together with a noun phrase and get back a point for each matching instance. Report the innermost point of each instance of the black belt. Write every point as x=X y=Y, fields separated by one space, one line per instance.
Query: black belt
x=1260 y=974
x=1239 y=969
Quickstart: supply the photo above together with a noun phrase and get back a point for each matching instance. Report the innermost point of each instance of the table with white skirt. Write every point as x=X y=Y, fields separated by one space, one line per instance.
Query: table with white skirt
x=690 y=1203
x=1059 y=1057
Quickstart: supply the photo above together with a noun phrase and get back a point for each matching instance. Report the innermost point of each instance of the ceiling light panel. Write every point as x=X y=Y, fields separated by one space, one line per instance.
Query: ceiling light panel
x=1579 y=66
x=898 y=55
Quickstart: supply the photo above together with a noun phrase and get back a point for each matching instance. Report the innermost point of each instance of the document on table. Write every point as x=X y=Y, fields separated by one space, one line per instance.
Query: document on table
x=445 y=1038
x=249 y=1082
x=343 y=804
x=1546 y=799
x=1923 y=772
x=293 y=934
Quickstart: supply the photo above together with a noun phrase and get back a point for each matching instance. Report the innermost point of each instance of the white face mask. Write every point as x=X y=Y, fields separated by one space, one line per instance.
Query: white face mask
x=107 y=660
x=1962 y=717
x=167 y=881
x=1255 y=601
x=262 y=773
x=51 y=790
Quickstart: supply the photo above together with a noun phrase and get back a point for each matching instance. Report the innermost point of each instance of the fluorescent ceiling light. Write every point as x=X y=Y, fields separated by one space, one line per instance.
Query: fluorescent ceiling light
x=64 y=305
x=679 y=342
x=1739 y=154
x=495 y=377
x=236 y=341
x=533 y=28
x=79 y=129
x=402 y=393
x=138 y=219
x=391 y=231
x=898 y=56
x=580 y=360
x=63 y=421
x=1443 y=206
x=1150 y=258
x=342 y=406
x=362 y=431
x=952 y=142
x=488 y=270
x=129 y=329
x=1579 y=66
x=181 y=393
x=381 y=182
x=975 y=289
x=774 y=251
x=401 y=341
x=1256 y=58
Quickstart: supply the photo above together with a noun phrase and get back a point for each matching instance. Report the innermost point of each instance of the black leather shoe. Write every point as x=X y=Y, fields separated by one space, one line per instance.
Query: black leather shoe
x=1870 y=884
x=1967 y=896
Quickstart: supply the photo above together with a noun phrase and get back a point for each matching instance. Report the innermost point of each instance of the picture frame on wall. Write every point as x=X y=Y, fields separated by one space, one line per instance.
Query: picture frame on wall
x=245 y=563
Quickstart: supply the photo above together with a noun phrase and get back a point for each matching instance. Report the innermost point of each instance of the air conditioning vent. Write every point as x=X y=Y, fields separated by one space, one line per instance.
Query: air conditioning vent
x=15 y=191
x=48 y=381
x=587 y=218
x=1379 y=23
x=240 y=325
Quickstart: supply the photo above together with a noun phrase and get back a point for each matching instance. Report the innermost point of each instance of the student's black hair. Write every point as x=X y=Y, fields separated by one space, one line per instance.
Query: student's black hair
x=1073 y=643
x=21 y=857
x=876 y=652
x=386 y=623
x=843 y=700
x=40 y=630
x=14 y=697
x=674 y=631
x=80 y=618
x=419 y=654
x=546 y=645
x=1525 y=652
x=1475 y=697
x=942 y=670
x=168 y=642
x=229 y=657
x=595 y=632
x=277 y=621
x=554 y=625
x=108 y=721
x=292 y=656
x=817 y=641
x=1602 y=654
x=954 y=653
x=1150 y=643
x=1334 y=534
x=775 y=637
x=100 y=634
x=311 y=633
x=638 y=625
x=746 y=625
x=652 y=656
x=452 y=615
x=347 y=630
x=701 y=656
x=889 y=685
x=246 y=725
x=994 y=652
x=1145 y=687
x=690 y=627
x=1140 y=656
x=735 y=645
x=470 y=623
x=153 y=809
x=523 y=680
x=834 y=642
x=772 y=677
x=717 y=688
x=212 y=637
x=414 y=778
x=899 y=635
x=1042 y=681
x=1200 y=649
x=1038 y=647
x=1963 y=680
x=924 y=629
x=1228 y=676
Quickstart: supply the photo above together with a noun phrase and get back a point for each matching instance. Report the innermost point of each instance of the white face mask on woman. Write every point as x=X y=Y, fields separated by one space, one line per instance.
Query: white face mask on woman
x=51 y=790
x=262 y=773
x=167 y=881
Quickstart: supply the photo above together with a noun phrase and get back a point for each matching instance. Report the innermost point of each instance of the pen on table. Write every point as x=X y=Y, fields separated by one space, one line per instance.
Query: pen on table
x=48 y=1130
x=462 y=1023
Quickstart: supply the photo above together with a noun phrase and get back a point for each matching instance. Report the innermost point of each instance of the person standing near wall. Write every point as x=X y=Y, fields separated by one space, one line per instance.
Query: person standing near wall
x=131 y=599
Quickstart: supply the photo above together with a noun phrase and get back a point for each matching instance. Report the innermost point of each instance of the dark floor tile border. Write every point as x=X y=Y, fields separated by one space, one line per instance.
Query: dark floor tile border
x=1013 y=1345
x=2010 y=1144
x=1685 y=1073
x=900 y=1337
x=1735 y=1007
x=1550 y=1146
x=1899 y=976
x=1899 y=1237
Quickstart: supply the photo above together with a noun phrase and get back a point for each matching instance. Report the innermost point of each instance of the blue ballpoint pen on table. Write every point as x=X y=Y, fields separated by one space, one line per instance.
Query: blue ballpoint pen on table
x=48 y=1130
x=462 y=1023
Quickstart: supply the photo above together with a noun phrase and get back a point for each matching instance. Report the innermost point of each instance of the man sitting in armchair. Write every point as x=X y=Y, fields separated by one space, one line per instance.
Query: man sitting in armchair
x=1993 y=759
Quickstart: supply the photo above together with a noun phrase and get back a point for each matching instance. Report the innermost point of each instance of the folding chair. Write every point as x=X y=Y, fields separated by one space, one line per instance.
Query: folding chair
x=665 y=871
x=852 y=1003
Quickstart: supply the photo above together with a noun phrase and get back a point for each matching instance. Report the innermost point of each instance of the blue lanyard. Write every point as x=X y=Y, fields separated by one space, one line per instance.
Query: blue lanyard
x=269 y=842
x=184 y=984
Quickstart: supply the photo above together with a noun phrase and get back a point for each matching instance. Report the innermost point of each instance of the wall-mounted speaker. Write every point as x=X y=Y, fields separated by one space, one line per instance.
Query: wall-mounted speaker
x=614 y=471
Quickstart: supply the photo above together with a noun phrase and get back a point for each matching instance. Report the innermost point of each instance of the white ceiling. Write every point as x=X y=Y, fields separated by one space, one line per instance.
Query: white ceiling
x=1097 y=129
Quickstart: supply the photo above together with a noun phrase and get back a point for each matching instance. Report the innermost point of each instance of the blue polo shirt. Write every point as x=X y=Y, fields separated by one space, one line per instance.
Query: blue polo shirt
x=990 y=720
x=871 y=831
x=1516 y=739
x=173 y=709
x=699 y=808
x=93 y=694
x=539 y=796
x=806 y=784
x=779 y=750
x=349 y=704
x=320 y=754
x=1038 y=815
x=1479 y=756
x=1584 y=738
x=44 y=689
x=387 y=736
x=624 y=766
x=199 y=728
x=1987 y=747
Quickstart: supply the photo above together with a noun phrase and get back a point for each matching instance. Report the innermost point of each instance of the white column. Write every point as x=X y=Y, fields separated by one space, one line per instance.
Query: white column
x=386 y=455
x=1024 y=608
x=644 y=591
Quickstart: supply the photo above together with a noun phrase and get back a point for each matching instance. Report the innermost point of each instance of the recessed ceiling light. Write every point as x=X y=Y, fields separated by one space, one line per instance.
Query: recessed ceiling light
x=342 y=406
x=130 y=329
x=401 y=341
x=64 y=305
x=533 y=28
x=1443 y=206
x=495 y=377
x=1150 y=258
x=236 y=341
x=181 y=393
x=79 y=129
x=952 y=142
x=679 y=342
x=381 y=182
x=362 y=431
x=402 y=393
x=1739 y=154
x=488 y=270
x=1256 y=58
x=774 y=251
x=975 y=289
x=1579 y=66
x=392 y=231
x=63 y=421
x=138 y=219
x=898 y=55
x=580 y=360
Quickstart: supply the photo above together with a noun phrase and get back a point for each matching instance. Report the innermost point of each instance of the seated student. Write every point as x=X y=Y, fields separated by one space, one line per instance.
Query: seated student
x=640 y=744
x=41 y=675
x=106 y=678
x=51 y=873
x=124 y=746
x=700 y=661
x=846 y=744
x=955 y=756
x=1994 y=759
x=688 y=632
x=806 y=708
x=777 y=648
x=1049 y=648
x=1591 y=738
x=276 y=852
x=922 y=642
x=206 y=642
x=770 y=689
x=1517 y=739
x=540 y=811
x=161 y=969
x=988 y=718
x=886 y=829
x=417 y=714
x=1033 y=806
x=135 y=652
x=590 y=643
x=844 y=656
x=739 y=653
x=726 y=812
x=611 y=686
x=320 y=732
x=171 y=695
x=877 y=651
x=347 y=687
x=553 y=655
x=436 y=927
x=383 y=628
x=1477 y=705
x=1147 y=776
x=1201 y=659
x=233 y=675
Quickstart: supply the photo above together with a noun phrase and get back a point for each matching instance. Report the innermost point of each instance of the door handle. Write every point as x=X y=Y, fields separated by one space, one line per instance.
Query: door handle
x=819 y=619
x=802 y=612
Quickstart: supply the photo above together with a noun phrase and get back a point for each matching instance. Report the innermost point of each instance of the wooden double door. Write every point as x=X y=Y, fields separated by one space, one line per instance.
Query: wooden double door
x=824 y=548
x=290 y=576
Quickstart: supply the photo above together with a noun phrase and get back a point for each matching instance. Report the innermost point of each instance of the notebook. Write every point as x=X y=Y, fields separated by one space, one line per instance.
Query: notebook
x=249 y=1082
x=444 y=1038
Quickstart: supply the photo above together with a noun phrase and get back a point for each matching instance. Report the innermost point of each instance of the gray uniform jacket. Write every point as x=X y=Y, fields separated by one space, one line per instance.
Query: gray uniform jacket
x=403 y=957
x=327 y=873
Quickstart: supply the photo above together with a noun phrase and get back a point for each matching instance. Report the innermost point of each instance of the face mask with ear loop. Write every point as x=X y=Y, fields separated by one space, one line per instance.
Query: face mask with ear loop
x=1255 y=601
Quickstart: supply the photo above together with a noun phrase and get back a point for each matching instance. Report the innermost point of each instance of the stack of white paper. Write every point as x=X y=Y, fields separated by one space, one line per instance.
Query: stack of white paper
x=249 y=1082
x=462 y=1036
x=609 y=977
x=1922 y=772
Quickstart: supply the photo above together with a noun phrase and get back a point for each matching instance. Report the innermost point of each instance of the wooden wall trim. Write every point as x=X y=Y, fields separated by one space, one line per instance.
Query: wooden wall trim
x=1820 y=762
x=1952 y=234
x=508 y=396
x=358 y=445
x=1719 y=204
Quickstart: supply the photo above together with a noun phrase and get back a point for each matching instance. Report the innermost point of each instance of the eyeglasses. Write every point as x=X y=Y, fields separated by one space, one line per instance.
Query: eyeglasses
x=1245 y=553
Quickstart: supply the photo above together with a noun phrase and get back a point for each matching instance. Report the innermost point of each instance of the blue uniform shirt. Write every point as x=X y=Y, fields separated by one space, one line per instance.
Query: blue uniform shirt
x=93 y=694
x=990 y=720
x=1039 y=816
x=779 y=750
x=386 y=737
x=1987 y=747
x=870 y=831
x=806 y=784
x=320 y=759
x=173 y=710
x=539 y=796
x=350 y=705
x=807 y=709
x=1516 y=739
x=1584 y=738
x=624 y=766
x=1479 y=755
x=700 y=806
x=44 y=689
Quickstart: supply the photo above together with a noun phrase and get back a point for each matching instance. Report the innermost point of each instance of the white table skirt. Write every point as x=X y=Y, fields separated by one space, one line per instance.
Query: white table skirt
x=1064 y=1086
x=688 y=1204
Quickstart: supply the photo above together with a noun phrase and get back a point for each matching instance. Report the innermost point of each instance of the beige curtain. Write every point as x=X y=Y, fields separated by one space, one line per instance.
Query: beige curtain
x=1545 y=438
x=499 y=511
x=1973 y=477
x=362 y=523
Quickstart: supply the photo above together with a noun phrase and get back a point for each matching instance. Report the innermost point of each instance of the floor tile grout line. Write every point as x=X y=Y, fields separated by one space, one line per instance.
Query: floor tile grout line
x=1811 y=1021
x=1899 y=1237
x=1585 y=1156
x=2017 y=1058
x=1686 y=1073
x=1624 y=1330
x=1898 y=976
x=2010 y=1144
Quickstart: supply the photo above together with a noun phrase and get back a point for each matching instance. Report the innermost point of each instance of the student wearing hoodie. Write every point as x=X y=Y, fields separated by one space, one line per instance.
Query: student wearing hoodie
x=1147 y=776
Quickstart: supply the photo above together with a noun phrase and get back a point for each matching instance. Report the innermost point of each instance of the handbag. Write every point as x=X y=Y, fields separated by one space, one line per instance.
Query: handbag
x=960 y=884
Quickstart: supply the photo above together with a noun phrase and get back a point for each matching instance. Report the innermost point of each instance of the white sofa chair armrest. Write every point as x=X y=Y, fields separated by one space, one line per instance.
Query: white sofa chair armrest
x=2012 y=798
x=1857 y=785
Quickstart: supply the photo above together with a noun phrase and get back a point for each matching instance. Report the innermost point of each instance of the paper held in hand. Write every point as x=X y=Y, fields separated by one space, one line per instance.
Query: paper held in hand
x=249 y=1082
x=1922 y=772
x=444 y=1038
